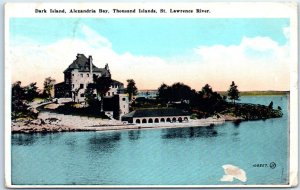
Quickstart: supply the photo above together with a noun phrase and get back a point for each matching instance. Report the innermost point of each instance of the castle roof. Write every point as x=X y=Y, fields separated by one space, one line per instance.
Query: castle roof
x=82 y=64
x=162 y=112
x=115 y=82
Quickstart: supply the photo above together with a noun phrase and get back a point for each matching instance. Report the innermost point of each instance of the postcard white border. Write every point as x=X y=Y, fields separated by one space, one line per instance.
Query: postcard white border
x=218 y=10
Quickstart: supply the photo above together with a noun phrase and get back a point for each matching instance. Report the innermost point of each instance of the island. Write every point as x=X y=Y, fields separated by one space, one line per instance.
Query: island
x=90 y=100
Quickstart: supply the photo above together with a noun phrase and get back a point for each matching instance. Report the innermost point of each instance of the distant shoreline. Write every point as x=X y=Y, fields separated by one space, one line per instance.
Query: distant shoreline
x=249 y=92
x=259 y=93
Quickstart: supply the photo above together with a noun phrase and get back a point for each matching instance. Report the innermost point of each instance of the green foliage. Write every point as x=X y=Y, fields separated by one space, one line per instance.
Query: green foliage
x=101 y=84
x=176 y=92
x=233 y=92
x=208 y=101
x=142 y=102
x=194 y=116
x=252 y=111
x=21 y=96
x=48 y=87
x=164 y=93
x=205 y=102
x=31 y=91
x=131 y=88
x=271 y=105
x=89 y=95
x=207 y=91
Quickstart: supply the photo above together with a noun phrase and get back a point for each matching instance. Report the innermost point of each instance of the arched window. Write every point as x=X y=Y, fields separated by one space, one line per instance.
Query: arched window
x=150 y=120
x=180 y=119
x=162 y=120
x=168 y=120
x=138 y=121
x=156 y=120
x=186 y=119
x=174 y=119
x=144 y=121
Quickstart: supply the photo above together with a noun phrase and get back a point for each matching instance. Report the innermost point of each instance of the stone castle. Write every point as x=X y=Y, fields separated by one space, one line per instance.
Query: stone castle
x=79 y=74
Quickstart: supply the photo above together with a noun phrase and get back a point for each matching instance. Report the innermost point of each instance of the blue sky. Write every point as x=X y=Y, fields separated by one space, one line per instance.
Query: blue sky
x=152 y=37
x=253 y=52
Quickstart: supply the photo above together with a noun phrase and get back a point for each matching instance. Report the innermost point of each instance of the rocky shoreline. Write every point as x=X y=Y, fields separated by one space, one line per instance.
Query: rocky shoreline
x=51 y=125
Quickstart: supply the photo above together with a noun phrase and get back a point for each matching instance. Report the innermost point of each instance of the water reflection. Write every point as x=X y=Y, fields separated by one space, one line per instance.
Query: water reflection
x=191 y=132
x=50 y=137
x=23 y=139
x=235 y=136
x=237 y=123
x=104 y=142
x=134 y=134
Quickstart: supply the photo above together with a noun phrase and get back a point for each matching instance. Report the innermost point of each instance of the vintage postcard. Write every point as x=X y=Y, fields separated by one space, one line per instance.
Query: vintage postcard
x=151 y=95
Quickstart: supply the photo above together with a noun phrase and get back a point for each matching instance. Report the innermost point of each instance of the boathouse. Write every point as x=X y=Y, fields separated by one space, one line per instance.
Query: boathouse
x=156 y=116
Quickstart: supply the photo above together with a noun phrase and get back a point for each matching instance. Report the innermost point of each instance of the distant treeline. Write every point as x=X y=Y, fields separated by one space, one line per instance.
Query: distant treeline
x=259 y=93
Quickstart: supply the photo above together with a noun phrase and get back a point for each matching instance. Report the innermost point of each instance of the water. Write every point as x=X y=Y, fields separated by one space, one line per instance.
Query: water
x=186 y=156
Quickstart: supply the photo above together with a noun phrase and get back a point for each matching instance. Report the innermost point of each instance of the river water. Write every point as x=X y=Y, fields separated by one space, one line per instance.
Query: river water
x=181 y=156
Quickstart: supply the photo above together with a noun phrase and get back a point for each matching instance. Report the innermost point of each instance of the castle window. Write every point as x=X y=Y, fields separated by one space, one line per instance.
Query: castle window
x=123 y=99
x=108 y=94
x=82 y=95
x=113 y=93
x=88 y=75
x=72 y=85
x=81 y=85
x=81 y=75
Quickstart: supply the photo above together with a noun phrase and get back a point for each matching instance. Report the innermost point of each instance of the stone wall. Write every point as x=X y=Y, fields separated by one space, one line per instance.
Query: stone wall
x=79 y=82
x=170 y=119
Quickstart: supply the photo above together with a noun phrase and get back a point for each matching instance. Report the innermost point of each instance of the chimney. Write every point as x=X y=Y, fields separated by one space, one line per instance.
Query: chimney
x=91 y=65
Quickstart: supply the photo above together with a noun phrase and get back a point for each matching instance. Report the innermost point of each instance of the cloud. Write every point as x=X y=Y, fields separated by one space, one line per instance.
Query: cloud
x=258 y=63
x=93 y=39
x=286 y=32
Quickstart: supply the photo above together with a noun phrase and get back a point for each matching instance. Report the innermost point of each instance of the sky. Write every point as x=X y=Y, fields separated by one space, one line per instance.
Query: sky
x=196 y=51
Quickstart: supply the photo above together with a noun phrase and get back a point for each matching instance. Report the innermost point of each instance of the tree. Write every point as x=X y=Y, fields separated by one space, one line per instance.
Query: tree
x=180 y=92
x=233 y=92
x=48 y=87
x=89 y=95
x=270 y=105
x=102 y=85
x=21 y=96
x=17 y=98
x=207 y=91
x=176 y=92
x=131 y=88
x=164 y=93
x=31 y=91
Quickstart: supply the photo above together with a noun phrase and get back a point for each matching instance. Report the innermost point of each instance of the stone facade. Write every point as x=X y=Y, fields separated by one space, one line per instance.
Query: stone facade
x=159 y=115
x=80 y=74
x=124 y=104
x=170 y=119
